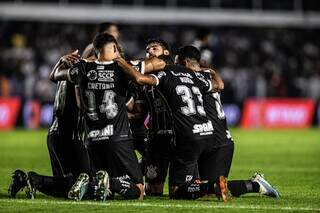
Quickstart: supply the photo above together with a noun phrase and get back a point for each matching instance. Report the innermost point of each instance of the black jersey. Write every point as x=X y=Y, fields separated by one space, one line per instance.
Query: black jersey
x=103 y=90
x=213 y=107
x=161 y=122
x=65 y=110
x=138 y=95
x=183 y=91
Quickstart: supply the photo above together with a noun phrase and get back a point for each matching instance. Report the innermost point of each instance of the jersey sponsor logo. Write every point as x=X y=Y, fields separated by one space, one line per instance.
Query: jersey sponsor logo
x=100 y=86
x=188 y=75
x=92 y=75
x=106 y=76
x=103 y=134
x=186 y=80
x=203 y=129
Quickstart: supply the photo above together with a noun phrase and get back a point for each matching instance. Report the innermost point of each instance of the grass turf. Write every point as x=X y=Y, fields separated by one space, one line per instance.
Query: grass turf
x=290 y=159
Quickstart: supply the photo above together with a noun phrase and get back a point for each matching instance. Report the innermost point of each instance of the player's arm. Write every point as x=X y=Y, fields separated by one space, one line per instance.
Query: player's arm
x=154 y=64
x=216 y=81
x=64 y=62
x=139 y=78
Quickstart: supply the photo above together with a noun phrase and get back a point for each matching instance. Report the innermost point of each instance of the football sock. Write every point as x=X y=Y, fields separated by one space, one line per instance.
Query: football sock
x=194 y=190
x=52 y=186
x=125 y=188
x=240 y=187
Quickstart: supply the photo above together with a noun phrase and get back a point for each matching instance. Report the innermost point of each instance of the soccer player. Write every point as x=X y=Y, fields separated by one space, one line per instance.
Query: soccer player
x=161 y=132
x=68 y=155
x=193 y=131
x=102 y=87
x=217 y=163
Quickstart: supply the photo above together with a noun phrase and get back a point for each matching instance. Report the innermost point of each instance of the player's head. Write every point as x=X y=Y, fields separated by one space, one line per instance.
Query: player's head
x=109 y=27
x=188 y=55
x=106 y=45
x=156 y=47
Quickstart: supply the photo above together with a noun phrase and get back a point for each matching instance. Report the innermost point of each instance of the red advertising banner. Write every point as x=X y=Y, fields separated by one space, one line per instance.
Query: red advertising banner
x=9 y=109
x=278 y=113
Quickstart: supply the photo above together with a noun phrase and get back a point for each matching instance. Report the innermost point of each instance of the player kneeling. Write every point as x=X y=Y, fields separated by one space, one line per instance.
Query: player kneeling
x=102 y=88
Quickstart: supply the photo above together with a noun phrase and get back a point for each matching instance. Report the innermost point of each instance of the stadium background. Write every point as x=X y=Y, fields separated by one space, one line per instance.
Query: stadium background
x=261 y=48
x=268 y=53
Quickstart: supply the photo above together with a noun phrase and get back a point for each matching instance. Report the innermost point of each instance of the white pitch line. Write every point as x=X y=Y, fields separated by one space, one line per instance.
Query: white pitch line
x=168 y=205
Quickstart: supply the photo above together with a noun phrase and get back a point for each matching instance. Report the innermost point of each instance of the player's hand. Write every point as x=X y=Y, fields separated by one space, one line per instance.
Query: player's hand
x=71 y=58
x=211 y=71
x=120 y=60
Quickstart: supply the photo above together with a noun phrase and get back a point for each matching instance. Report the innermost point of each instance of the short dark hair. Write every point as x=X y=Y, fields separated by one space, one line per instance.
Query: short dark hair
x=102 y=39
x=104 y=26
x=162 y=42
x=188 y=52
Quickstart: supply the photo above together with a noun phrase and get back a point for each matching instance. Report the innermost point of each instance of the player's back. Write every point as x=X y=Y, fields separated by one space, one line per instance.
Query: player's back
x=213 y=107
x=65 y=110
x=103 y=87
x=183 y=91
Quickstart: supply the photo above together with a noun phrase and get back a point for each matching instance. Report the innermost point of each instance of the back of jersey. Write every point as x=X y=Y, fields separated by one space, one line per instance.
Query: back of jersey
x=183 y=91
x=103 y=94
x=215 y=113
x=65 y=110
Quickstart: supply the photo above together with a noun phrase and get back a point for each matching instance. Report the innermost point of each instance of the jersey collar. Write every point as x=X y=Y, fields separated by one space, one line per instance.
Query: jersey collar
x=103 y=62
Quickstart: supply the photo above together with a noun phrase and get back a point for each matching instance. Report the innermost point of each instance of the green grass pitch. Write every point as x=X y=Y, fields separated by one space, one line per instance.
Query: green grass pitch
x=290 y=160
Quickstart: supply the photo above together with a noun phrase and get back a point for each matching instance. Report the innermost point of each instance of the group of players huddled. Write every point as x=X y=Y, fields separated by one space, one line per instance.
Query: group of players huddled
x=167 y=108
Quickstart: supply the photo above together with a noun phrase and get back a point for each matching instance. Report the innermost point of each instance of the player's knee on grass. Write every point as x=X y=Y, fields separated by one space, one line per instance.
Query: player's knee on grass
x=154 y=189
x=126 y=188
x=192 y=190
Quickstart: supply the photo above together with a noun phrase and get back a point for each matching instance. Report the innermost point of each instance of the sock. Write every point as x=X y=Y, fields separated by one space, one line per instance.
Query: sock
x=52 y=186
x=194 y=190
x=240 y=187
x=125 y=188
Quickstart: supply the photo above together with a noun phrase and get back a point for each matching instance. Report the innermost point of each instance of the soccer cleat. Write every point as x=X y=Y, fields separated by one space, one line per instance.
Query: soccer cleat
x=18 y=182
x=265 y=187
x=31 y=189
x=223 y=191
x=79 y=188
x=102 y=185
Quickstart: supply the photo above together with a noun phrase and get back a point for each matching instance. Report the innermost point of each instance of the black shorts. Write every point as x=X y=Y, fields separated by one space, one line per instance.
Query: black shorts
x=140 y=140
x=67 y=156
x=199 y=159
x=216 y=162
x=118 y=158
x=158 y=158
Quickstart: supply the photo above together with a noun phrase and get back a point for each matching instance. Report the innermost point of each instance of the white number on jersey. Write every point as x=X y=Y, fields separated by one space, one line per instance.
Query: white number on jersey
x=187 y=97
x=221 y=114
x=108 y=105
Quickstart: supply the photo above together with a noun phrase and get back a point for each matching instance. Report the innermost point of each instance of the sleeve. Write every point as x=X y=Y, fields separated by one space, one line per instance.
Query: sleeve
x=74 y=72
x=131 y=93
x=138 y=65
x=160 y=77
x=204 y=82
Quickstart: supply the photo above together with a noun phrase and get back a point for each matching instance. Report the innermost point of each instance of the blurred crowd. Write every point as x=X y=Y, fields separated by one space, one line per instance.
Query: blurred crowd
x=254 y=62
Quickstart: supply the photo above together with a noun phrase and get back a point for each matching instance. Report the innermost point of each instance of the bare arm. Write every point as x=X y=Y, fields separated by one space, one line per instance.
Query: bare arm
x=154 y=64
x=218 y=81
x=64 y=62
x=136 y=75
